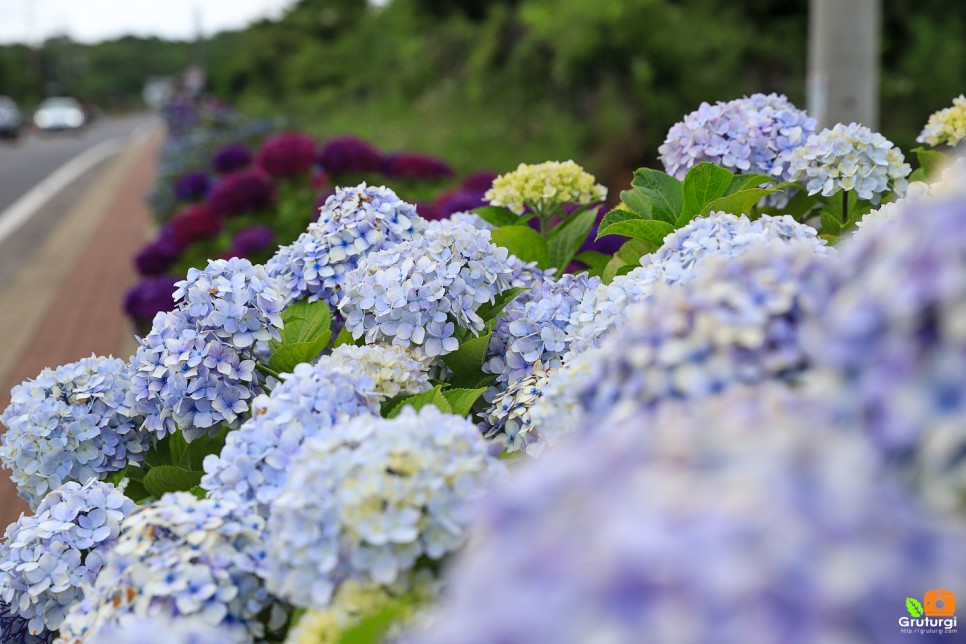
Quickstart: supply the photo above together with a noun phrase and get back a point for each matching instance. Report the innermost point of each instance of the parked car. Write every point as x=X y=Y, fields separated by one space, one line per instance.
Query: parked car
x=11 y=120
x=60 y=113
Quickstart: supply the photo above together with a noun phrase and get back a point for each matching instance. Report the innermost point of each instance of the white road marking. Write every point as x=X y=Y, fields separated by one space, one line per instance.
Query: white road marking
x=20 y=211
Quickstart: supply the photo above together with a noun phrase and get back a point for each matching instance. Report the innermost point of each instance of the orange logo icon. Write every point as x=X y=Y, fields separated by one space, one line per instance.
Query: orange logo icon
x=939 y=603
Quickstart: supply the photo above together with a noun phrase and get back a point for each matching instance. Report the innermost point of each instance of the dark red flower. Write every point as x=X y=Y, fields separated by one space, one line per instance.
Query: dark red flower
x=239 y=193
x=195 y=223
x=287 y=155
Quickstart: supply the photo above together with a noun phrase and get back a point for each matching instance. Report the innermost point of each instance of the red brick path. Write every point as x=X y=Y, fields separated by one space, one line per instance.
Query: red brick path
x=85 y=316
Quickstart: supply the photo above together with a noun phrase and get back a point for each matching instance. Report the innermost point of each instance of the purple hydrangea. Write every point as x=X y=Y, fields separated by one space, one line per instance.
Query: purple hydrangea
x=158 y=256
x=241 y=193
x=72 y=423
x=192 y=186
x=414 y=294
x=456 y=201
x=45 y=558
x=415 y=166
x=354 y=222
x=349 y=155
x=256 y=459
x=385 y=492
x=252 y=240
x=753 y=134
x=151 y=296
x=180 y=557
x=737 y=520
x=287 y=155
x=231 y=158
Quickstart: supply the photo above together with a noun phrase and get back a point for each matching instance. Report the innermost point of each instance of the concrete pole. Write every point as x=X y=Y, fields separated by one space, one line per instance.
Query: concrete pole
x=843 y=61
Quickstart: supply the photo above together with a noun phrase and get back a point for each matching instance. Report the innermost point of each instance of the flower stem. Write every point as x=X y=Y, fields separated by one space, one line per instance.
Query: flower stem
x=268 y=371
x=845 y=207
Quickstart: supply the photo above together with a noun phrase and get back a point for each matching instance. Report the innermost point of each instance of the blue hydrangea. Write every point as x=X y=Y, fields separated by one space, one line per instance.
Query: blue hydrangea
x=416 y=293
x=508 y=418
x=256 y=459
x=473 y=219
x=737 y=520
x=180 y=557
x=72 y=423
x=890 y=346
x=46 y=557
x=354 y=222
x=130 y=628
x=534 y=327
x=14 y=630
x=195 y=370
x=754 y=134
x=850 y=157
x=384 y=494
x=717 y=235
x=385 y=371
x=738 y=321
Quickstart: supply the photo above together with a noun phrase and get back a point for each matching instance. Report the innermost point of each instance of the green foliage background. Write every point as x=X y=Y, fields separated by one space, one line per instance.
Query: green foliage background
x=490 y=83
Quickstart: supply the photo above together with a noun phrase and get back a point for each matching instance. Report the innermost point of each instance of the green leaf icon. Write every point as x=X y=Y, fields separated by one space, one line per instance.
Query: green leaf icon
x=913 y=606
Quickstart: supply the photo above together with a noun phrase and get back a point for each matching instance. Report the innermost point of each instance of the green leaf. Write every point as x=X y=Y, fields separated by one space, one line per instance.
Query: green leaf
x=596 y=261
x=800 y=204
x=738 y=203
x=467 y=361
x=664 y=192
x=650 y=230
x=489 y=310
x=703 y=184
x=372 y=628
x=524 y=242
x=617 y=216
x=417 y=401
x=831 y=221
x=914 y=607
x=931 y=161
x=637 y=202
x=461 y=400
x=344 y=337
x=633 y=250
x=170 y=478
x=287 y=356
x=496 y=216
x=304 y=322
x=567 y=239
x=745 y=181
x=613 y=269
x=199 y=492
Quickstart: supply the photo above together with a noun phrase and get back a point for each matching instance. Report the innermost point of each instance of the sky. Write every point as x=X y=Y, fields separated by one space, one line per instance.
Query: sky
x=95 y=20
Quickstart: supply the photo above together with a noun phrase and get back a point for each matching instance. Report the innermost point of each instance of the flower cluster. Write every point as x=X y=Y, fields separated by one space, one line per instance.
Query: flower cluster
x=414 y=294
x=230 y=158
x=384 y=371
x=753 y=134
x=129 y=628
x=256 y=458
x=158 y=256
x=72 y=423
x=151 y=296
x=384 y=494
x=45 y=558
x=192 y=186
x=249 y=241
x=947 y=126
x=416 y=166
x=691 y=531
x=545 y=186
x=534 y=327
x=717 y=235
x=240 y=193
x=354 y=222
x=195 y=369
x=349 y=155
x=194 y=223
x=509 y=418
x=180 y=557
x=891 y=346
x=287 y=155
x=850 y=157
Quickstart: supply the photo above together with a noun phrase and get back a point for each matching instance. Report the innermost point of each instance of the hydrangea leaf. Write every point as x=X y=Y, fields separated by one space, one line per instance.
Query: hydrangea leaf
x=524 y=242
x=461 y=400
x=288 y=356
x=615 y=217
x=931 y=161
x=831 y=222
x=612 y=269
x=738 y=203
x=664 y=192
x=746 y=181
x=637 y=201
x=488 y=311
x=467 y=361
x=567 y=239
x=170 y=478
x=597 y=262
x=633 y=250
x=703 y=184
x=433 y=397
x=344 y=337
x=373 y=627
x=649 y=230
x=497 y=216
x=304 y=321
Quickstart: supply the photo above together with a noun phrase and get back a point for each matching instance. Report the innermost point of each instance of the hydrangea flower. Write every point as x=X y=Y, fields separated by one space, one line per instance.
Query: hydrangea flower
x=195 y=223
x=415 y=293
x=739 y=520
x=287 y=155
x=384 y=371
x=72 y=423
x=45 y=558
x=534 y=327
x=384 y=494
x=128 y=628
x=354 y=222
x=241 y=192
x=415 y=166
x=890 y=344
x=850 y=157
x=151 y=296
x=14 y=630
x=458 y=201
x=195 y=369
x=951 y=183
x=545 y=186
x=256 y=459
x=251 y=240
x=157 y=257
x=230 y=158
x=717 y=235
x=508 y=417
x=180 y=557
x=192 y=186
x=349 y=155
x=472 y=219
x=947 y=126
x=753 y=134
x=737 y=322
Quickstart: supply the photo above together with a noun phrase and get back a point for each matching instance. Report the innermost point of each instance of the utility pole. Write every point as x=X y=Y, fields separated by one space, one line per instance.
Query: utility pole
x=843 y=61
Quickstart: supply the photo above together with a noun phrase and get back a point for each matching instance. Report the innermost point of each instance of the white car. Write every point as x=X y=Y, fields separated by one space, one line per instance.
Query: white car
x=60 y=113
